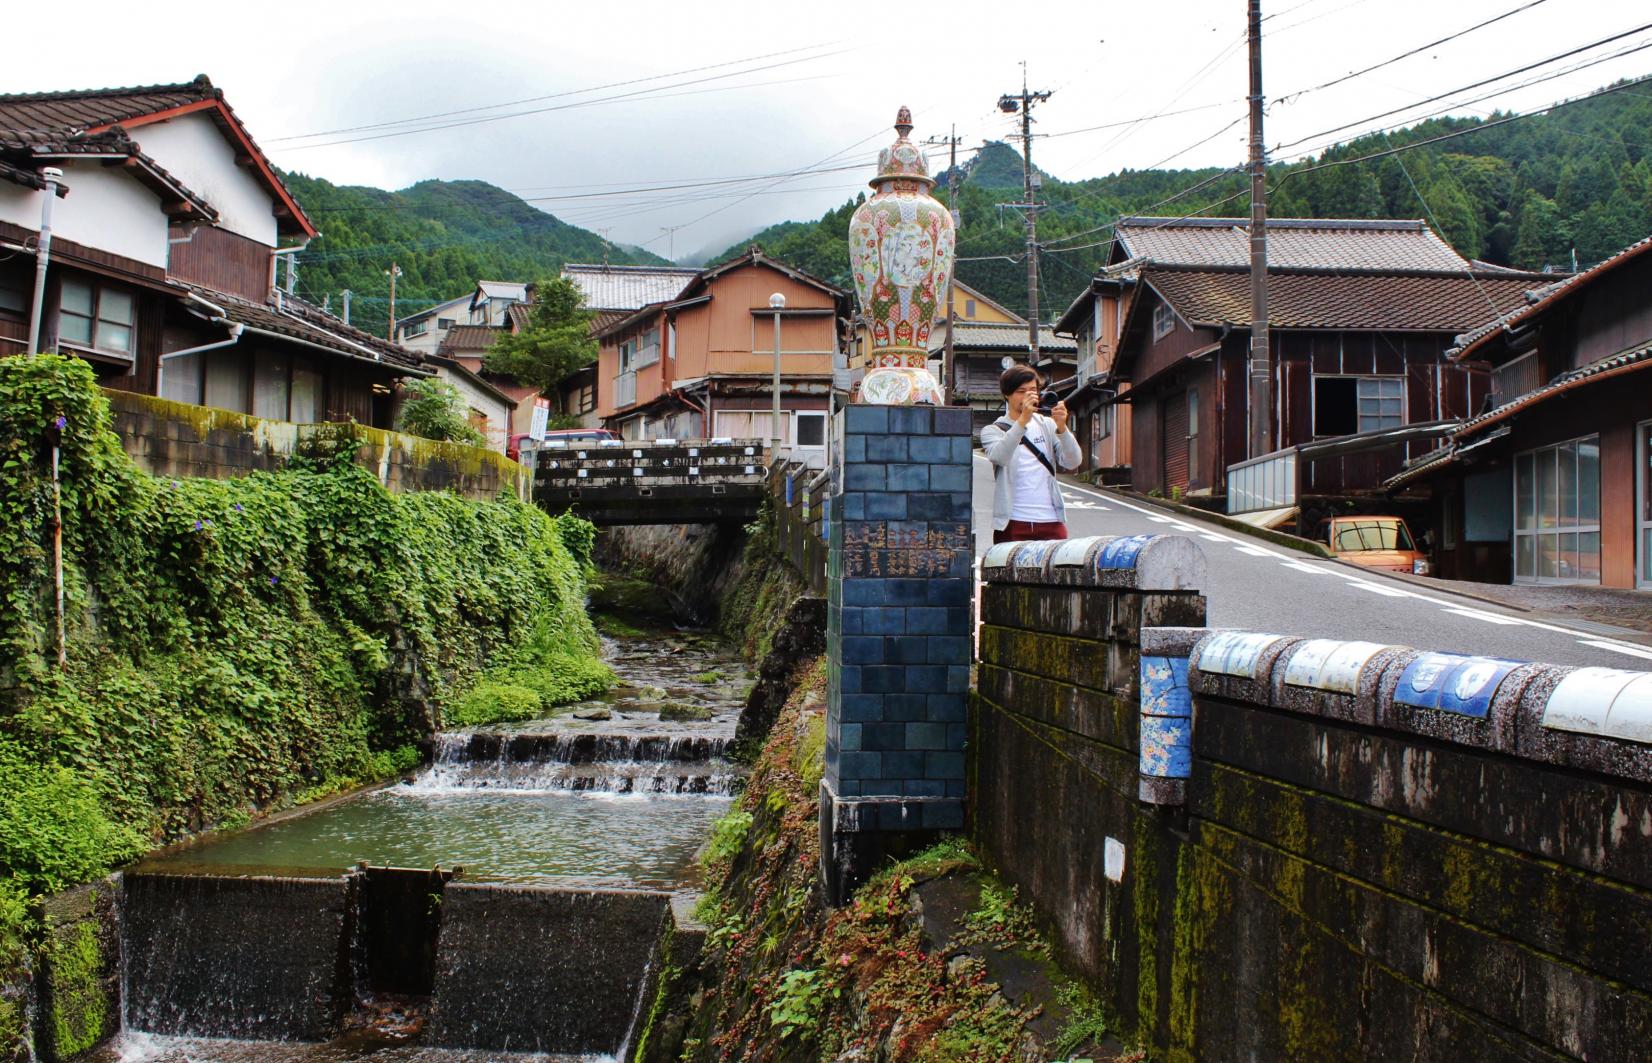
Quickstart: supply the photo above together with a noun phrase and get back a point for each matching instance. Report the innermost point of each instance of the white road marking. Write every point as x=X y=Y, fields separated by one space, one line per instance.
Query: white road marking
x=1386 y=592
x=1446 y=603
x=1619 y=647
x=1310 y=569
x=1213 y=537
x=1255 y=552
x=1490 y=618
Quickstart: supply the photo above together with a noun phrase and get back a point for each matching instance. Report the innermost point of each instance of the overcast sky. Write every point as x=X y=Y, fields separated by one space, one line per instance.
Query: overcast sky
x=741 y=90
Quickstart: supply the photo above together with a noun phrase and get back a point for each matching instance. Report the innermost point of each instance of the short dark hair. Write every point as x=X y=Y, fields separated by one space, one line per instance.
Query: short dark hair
x=1016 y=377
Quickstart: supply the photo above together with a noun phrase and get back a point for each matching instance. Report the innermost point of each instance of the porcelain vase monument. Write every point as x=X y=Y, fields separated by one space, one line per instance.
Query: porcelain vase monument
x=901 y=252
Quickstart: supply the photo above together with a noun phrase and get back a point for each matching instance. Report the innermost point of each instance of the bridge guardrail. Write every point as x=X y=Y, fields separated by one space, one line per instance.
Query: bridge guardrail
x=654 y=481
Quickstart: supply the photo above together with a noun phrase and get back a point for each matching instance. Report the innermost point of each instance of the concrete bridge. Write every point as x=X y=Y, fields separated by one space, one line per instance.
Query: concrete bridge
x=655 y=481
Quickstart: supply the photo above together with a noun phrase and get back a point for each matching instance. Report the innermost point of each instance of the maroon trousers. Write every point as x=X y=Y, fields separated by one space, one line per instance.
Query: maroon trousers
x=1019 y=531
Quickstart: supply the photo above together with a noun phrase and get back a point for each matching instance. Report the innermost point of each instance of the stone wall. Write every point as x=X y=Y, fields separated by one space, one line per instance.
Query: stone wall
x=1328 y=850
x=176 y=439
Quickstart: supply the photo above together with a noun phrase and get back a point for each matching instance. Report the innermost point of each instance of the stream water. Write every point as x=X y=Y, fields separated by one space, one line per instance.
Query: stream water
x=616 y=792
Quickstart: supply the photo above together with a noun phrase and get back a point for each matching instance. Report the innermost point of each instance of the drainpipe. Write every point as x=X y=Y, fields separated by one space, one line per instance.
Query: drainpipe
x=215 y=315
x=42 y=255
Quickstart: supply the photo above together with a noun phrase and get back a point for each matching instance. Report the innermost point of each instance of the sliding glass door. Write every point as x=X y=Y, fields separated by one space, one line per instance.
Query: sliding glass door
x=1557 y=513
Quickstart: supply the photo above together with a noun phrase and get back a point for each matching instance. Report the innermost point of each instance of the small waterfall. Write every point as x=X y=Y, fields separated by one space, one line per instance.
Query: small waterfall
x=612 y=762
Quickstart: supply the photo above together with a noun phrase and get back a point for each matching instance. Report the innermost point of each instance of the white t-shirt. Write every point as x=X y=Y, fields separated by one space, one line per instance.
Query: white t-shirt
x=1031 y=484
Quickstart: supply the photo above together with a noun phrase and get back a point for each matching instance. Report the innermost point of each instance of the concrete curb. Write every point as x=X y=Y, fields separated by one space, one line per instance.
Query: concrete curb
x=1289 y=542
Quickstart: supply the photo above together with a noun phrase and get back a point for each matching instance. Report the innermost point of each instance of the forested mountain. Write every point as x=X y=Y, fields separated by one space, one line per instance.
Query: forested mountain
x=444 y=235
x=1527 y=193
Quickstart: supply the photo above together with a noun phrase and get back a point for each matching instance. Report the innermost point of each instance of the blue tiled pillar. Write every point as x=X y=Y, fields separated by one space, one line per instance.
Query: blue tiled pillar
x=899 y=592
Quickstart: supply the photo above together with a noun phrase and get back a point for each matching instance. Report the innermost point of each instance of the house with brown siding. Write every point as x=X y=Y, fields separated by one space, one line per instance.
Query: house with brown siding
x=1553 y=483
x=162 y=264
x=1093 y=319
x=1362 y=315
x=701 y=363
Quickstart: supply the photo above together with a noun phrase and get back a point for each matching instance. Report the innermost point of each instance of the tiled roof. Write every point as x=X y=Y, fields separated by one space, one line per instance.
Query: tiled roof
x=29 y=144
x=1543 y=297
x=468 y=338
x=1293 y=243
x=517 y=316
x=22 y=175
x=69 y=115
x=1311 y=300
x=89 y=108
x=627 y=287
x=300 y=320
x=503 y=290
x=999 y=336
x=602 y=319
x=1634 y=360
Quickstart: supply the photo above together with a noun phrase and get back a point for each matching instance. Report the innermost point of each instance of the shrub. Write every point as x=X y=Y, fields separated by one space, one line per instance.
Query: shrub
x=492 y=702
x=434 y=409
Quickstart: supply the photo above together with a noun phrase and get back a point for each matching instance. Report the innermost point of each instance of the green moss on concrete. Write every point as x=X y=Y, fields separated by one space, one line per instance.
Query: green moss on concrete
x=79 y=1005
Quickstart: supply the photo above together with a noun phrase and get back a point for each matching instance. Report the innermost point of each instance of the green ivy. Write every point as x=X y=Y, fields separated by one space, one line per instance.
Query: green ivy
x=234 y=645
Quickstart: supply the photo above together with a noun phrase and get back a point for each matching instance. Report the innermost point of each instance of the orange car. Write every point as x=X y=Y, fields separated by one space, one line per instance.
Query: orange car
x=1376 y=542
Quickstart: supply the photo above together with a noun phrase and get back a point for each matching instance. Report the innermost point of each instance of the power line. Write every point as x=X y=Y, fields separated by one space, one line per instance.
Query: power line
x=551 y=96
x=1472 y=85
x=1290 y=96
x=483 y=119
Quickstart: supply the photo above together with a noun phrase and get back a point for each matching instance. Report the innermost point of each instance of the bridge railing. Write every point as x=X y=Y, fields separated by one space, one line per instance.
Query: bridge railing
x=653 y=481
x=800 y=496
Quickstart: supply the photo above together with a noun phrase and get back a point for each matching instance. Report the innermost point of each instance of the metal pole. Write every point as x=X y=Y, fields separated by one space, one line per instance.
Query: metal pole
x=1261 y=369
x=42 y=255
x=1032 y=226
x=949 y=374
x=777 y=303
x=390 y=330
x=774 y=415
x=57 y=548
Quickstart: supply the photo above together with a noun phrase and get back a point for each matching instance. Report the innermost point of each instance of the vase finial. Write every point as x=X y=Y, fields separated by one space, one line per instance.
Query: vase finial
x=903 y=121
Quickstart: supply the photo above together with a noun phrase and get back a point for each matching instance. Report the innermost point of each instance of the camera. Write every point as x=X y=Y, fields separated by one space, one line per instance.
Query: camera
x=1047 y=401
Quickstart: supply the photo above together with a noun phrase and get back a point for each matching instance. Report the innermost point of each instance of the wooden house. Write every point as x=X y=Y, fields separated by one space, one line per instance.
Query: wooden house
x=161 y=270
x=1362 y=314
x=1553 y=482
x=701 y=363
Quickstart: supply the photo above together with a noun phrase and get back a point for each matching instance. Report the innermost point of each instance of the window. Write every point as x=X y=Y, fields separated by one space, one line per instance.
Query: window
x=1515 y=378
x=969 y=307
x=1104 y=421
x=271 y=386
x=811 y=429
x=305 y=407
x=444 y=323
x=416 y=328
x=1192 y=437
x=14 y=295
x=1557 y=513
x=751 y=424
x=1344 y=405
x=646 y=349
x=96 y=317
x=1164 y=321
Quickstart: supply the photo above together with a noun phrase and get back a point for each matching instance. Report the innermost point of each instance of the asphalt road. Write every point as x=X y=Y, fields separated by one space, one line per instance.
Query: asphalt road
x=1256 y=586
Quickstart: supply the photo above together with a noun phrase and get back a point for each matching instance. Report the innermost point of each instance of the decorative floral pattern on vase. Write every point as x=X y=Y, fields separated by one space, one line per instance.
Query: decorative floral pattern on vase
x=901 y=253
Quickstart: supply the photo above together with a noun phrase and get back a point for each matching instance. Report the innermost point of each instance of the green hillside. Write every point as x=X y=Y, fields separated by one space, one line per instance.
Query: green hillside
x=1526 y=194
x=445 y=236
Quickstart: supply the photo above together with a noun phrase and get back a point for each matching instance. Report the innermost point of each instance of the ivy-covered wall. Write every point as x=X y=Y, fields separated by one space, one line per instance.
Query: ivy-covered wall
x=230 y=646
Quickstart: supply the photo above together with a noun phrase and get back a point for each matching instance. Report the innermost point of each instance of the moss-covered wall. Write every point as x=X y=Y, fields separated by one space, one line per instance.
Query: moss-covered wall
x=1329 y=890
x=176 y=439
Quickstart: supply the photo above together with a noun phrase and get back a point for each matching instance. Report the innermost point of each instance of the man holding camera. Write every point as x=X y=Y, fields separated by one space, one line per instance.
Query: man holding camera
x=1025 y=448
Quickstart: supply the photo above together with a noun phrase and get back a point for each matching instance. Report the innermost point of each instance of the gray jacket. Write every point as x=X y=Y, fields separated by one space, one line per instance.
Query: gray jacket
x=1001 y=444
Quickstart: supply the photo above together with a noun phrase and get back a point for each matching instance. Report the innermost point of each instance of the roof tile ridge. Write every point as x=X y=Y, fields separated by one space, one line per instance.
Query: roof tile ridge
x=200 y=85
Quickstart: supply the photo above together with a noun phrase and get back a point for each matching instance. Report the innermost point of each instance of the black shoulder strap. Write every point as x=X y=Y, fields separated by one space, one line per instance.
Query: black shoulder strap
x=1004 y=424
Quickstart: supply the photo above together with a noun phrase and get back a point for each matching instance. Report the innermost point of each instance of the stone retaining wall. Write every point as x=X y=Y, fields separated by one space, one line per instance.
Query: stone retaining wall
x=1263 y=847
x=175 y=439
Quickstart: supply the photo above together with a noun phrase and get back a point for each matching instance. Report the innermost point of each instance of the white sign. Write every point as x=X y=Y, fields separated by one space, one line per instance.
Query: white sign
x=541 y=418
x=1113 y=860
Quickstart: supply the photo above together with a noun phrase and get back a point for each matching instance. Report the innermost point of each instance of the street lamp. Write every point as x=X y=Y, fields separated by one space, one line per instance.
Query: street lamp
x=777 y=303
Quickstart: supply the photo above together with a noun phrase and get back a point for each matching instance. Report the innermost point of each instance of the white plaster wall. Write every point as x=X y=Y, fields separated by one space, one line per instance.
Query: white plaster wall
x=106 y=208
x=197 y=153
x=497 y=412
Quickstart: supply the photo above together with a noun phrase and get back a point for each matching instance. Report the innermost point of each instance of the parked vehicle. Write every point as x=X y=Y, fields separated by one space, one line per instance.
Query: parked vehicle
x=1376 y=542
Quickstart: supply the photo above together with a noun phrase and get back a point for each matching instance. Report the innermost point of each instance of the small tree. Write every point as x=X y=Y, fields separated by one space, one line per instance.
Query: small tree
x=434 y=409
x=556 y=342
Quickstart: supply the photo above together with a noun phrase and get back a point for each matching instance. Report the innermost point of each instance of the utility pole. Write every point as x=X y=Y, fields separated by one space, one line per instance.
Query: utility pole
x=345 y=297
x=1261 y=368
x=393 y=272
x=604 y=234
x=1023 y=103
x=670 y=232
x=949 y=368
